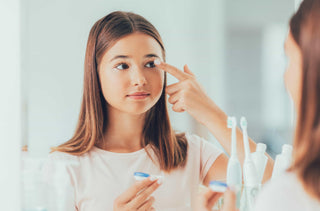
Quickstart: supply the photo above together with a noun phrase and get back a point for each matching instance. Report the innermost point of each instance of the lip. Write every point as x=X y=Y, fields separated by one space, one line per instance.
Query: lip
x=138 y=95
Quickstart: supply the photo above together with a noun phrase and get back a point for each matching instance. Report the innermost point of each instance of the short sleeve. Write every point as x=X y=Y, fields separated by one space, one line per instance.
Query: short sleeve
x=57 y=173
x=207 y=151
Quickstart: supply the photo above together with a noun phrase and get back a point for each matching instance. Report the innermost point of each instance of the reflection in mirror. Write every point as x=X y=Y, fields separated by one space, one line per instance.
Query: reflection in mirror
x=235 y=49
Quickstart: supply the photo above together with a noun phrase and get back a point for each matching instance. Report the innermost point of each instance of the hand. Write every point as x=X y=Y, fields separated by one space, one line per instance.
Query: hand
x=206 y=200
x=230 y=200
x=187 y=94
x=137 y=197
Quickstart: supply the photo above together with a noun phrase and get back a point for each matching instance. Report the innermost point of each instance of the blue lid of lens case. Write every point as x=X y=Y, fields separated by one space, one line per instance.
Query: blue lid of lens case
x=140 y=175
x=217 y=186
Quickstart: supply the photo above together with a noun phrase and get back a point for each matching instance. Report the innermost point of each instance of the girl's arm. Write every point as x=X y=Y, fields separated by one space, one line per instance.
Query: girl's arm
x=188 y=95
x=216 y=121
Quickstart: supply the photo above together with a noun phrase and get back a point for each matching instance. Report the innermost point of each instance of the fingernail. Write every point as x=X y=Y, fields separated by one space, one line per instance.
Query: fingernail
x=157 y=61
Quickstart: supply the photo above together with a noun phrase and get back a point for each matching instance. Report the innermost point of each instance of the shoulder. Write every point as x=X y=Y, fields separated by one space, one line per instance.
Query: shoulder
x=195 y=143
x=198 y=143
x=195 y=140
x=279 y=194
x=202 y=149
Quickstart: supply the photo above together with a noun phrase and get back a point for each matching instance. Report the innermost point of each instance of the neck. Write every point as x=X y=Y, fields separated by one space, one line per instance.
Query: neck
x=124 y=131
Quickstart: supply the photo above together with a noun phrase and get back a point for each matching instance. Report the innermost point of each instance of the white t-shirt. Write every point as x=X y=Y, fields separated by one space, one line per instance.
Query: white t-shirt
x=98 y=176
x=285 y=193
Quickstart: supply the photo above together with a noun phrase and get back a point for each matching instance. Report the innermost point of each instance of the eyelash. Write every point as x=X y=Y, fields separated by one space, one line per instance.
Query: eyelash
x=127 y=66
x=153 y=66
x=117 y=65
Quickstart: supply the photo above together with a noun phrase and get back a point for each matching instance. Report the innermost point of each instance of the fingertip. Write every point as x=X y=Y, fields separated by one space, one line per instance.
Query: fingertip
x=157 y=62
x=151 y=198
x=187 y=69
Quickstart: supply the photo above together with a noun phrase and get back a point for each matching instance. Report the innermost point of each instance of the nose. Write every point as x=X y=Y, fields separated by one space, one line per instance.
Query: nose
x=138 y=78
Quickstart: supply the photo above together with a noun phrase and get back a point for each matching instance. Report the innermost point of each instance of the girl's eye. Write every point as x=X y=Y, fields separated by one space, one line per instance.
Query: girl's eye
x=150 y=64
x=122 y=66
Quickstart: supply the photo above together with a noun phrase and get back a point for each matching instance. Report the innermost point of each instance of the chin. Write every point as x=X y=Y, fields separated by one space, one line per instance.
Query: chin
x=138 y=110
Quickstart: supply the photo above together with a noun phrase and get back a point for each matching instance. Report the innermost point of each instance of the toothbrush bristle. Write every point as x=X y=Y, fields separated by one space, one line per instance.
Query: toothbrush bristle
x=232 y=122
x=243 y=122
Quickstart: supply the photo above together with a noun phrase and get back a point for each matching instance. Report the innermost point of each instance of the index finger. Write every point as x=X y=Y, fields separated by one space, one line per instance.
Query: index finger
x=129 y=194
x=212 y=200
x=180 y=75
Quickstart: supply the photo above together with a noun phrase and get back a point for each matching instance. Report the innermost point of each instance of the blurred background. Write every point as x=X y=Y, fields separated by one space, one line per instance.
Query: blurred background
x=235 y=48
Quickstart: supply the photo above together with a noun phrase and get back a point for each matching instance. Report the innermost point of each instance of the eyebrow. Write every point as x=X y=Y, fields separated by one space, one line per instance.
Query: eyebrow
x=128 y=57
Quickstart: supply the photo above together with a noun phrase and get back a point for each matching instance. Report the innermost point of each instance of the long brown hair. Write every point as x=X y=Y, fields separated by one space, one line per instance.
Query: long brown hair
x=170 y=149
x=305 y=28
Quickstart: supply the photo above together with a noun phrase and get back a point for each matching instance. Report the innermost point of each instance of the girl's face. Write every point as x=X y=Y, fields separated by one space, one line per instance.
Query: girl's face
x=129 y=80
x=293 y=74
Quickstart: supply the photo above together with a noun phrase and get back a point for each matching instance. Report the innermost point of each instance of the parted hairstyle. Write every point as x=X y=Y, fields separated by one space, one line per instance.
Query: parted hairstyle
x=170 y=148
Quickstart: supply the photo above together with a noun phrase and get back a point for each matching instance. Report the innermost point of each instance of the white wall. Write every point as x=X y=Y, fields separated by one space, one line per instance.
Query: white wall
x=255 y=32
x=10 y=110
x=258 y=12
x=297 y=3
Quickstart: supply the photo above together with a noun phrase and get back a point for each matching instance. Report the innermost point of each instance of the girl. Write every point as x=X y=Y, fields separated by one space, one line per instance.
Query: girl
x=299 y=188
x=124 y=126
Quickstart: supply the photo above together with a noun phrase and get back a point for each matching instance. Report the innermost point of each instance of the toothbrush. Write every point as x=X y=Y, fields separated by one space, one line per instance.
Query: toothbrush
x=244 y=126
x=249 y=169
x=234 y=175
x=232 y=123
x=250 y=172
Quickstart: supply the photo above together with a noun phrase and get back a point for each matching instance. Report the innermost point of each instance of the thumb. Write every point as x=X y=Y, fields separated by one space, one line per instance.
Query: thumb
x=230 y=200
x=187 y=70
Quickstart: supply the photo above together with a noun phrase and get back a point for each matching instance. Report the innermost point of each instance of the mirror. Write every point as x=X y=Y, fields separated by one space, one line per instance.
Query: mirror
x=235 y=48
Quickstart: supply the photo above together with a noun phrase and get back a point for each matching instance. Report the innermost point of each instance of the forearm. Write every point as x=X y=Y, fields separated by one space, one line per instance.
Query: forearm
x=216 y=122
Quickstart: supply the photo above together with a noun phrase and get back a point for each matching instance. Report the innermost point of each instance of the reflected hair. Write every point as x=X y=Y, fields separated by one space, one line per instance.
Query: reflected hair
x=170 y=148
x=305 y=29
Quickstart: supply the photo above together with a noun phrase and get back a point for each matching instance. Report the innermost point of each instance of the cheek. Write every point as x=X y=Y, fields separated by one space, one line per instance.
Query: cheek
x=287 y=77
x=292 y=80
x=112 y=86
x=157 y=81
